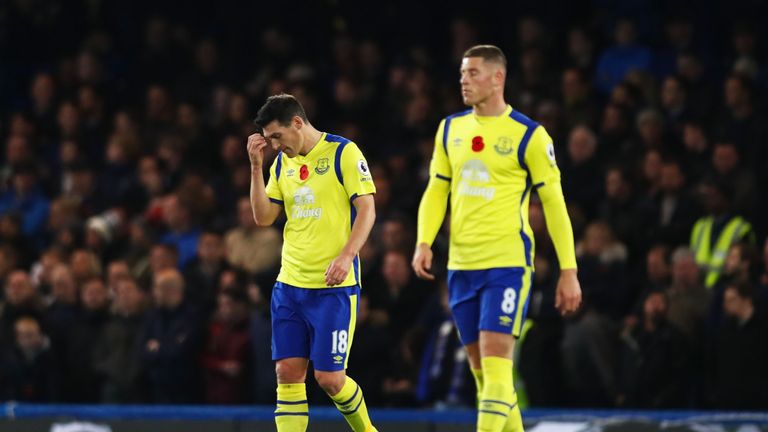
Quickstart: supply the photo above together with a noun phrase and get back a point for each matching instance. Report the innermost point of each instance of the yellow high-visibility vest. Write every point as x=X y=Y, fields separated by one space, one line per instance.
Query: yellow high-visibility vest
x=711 y=259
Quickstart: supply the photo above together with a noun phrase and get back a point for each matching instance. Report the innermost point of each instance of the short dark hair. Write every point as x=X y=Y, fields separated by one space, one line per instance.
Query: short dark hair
x=489 y=53
x=282 y=107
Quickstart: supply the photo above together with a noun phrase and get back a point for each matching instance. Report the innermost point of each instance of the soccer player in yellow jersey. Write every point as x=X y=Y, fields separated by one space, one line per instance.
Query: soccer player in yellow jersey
x=488 y=160
x=323 y=183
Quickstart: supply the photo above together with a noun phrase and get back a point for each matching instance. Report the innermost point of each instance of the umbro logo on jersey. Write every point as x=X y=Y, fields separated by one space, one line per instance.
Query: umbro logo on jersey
x=457 y=142
x=503 y=146
x=290 y=172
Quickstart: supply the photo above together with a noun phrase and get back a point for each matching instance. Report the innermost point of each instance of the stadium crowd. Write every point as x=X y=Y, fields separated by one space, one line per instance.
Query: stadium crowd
x=133 y=271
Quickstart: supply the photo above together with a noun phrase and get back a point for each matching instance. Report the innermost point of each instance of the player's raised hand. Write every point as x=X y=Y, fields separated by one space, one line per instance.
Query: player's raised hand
x=256 y=145
x=337 y=271
x=422 y=261
x=568 y=295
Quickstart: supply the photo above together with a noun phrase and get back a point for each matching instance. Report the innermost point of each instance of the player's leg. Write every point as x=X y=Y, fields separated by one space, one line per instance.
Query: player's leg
x=290 y=349
x=504 y=302
x=333 y=318
x=465 y=307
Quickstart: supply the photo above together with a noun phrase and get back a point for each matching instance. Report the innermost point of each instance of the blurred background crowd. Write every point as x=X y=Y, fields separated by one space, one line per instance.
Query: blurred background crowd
x=133 y=272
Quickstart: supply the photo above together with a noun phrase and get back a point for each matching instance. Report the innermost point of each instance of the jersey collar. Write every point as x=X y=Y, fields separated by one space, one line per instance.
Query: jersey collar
x=314 y=150
x=487 y=119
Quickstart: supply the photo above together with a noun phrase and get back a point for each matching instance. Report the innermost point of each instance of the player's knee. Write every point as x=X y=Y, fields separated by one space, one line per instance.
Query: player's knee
x=331 y=382
x=289 y=373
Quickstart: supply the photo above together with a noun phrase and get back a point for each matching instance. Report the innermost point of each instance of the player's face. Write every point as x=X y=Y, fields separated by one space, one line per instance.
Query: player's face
x=286 y=139
x=479 y=80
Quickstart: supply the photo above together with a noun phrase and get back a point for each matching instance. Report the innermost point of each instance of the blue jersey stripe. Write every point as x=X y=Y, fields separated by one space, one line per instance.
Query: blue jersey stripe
x=448 y=125
x=442 y=177
x=527 y=243
x=337 y=162
x=276 y=201
x=279 y=165
x=531 y=125
x=530 y=128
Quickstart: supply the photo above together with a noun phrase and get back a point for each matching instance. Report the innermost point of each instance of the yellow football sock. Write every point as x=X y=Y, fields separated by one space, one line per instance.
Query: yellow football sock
x=292 y=413
x=351 y=404
x=478 y=374
x=497 y=398
x=515 y=420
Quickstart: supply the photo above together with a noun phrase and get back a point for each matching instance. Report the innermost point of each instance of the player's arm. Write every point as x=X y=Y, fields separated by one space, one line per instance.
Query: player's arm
x=540 y=159
x=432 y=208
x=361 y=228
x=265 y=208
x=358 y=184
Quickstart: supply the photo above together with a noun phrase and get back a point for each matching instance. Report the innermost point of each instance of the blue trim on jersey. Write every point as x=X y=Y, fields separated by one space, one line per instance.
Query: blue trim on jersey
x=531 y=125
x=276 y=201
x=356 y=261
x=442 y=177
x=279 y=165
x=448 y=124
x=538 y=185
x=337 y=160
x=527 y=244
x=353 y=197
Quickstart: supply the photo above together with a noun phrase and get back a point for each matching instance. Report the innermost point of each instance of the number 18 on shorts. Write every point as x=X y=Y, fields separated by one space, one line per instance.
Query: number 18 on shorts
x=317 y=324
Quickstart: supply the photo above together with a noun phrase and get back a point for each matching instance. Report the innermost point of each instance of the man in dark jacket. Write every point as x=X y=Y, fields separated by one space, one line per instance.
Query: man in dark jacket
x=117 y=351
x=171 y=343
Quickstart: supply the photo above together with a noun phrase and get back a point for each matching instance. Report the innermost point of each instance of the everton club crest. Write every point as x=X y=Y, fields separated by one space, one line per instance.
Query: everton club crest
x=322 y=166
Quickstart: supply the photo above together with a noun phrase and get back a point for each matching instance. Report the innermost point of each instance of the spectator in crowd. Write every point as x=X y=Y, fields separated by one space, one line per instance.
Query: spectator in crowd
x=27 y=198
x=82 y=382
x=590 y=338
x=27 y=368
x=250 y=247
x=262 y=366
x=669 y=213
x=739 y=356
x=116 y=352
x=399 y=304
x=63 y=312
x=714 y=234
x=170 y=343
x=727 y=167
x=182 y=232
x=626 y=55
x=653 y=360
x=226 y=356
x=582 y=169
x=202 y=273
x=688 y=299
x=21 y=299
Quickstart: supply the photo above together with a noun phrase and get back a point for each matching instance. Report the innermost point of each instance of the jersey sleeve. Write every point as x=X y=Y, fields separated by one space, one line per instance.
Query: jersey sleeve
x=540 y=159
x=440 y=166
x=355 y=172
x=273 y=188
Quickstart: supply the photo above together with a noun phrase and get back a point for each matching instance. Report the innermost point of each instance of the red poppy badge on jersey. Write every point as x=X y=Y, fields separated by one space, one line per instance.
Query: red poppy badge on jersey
x=477 y=144
x=304 y=172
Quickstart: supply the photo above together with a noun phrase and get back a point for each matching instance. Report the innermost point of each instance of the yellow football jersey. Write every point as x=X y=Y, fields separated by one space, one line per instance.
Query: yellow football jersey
x=492 y=164
x=316 y=192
